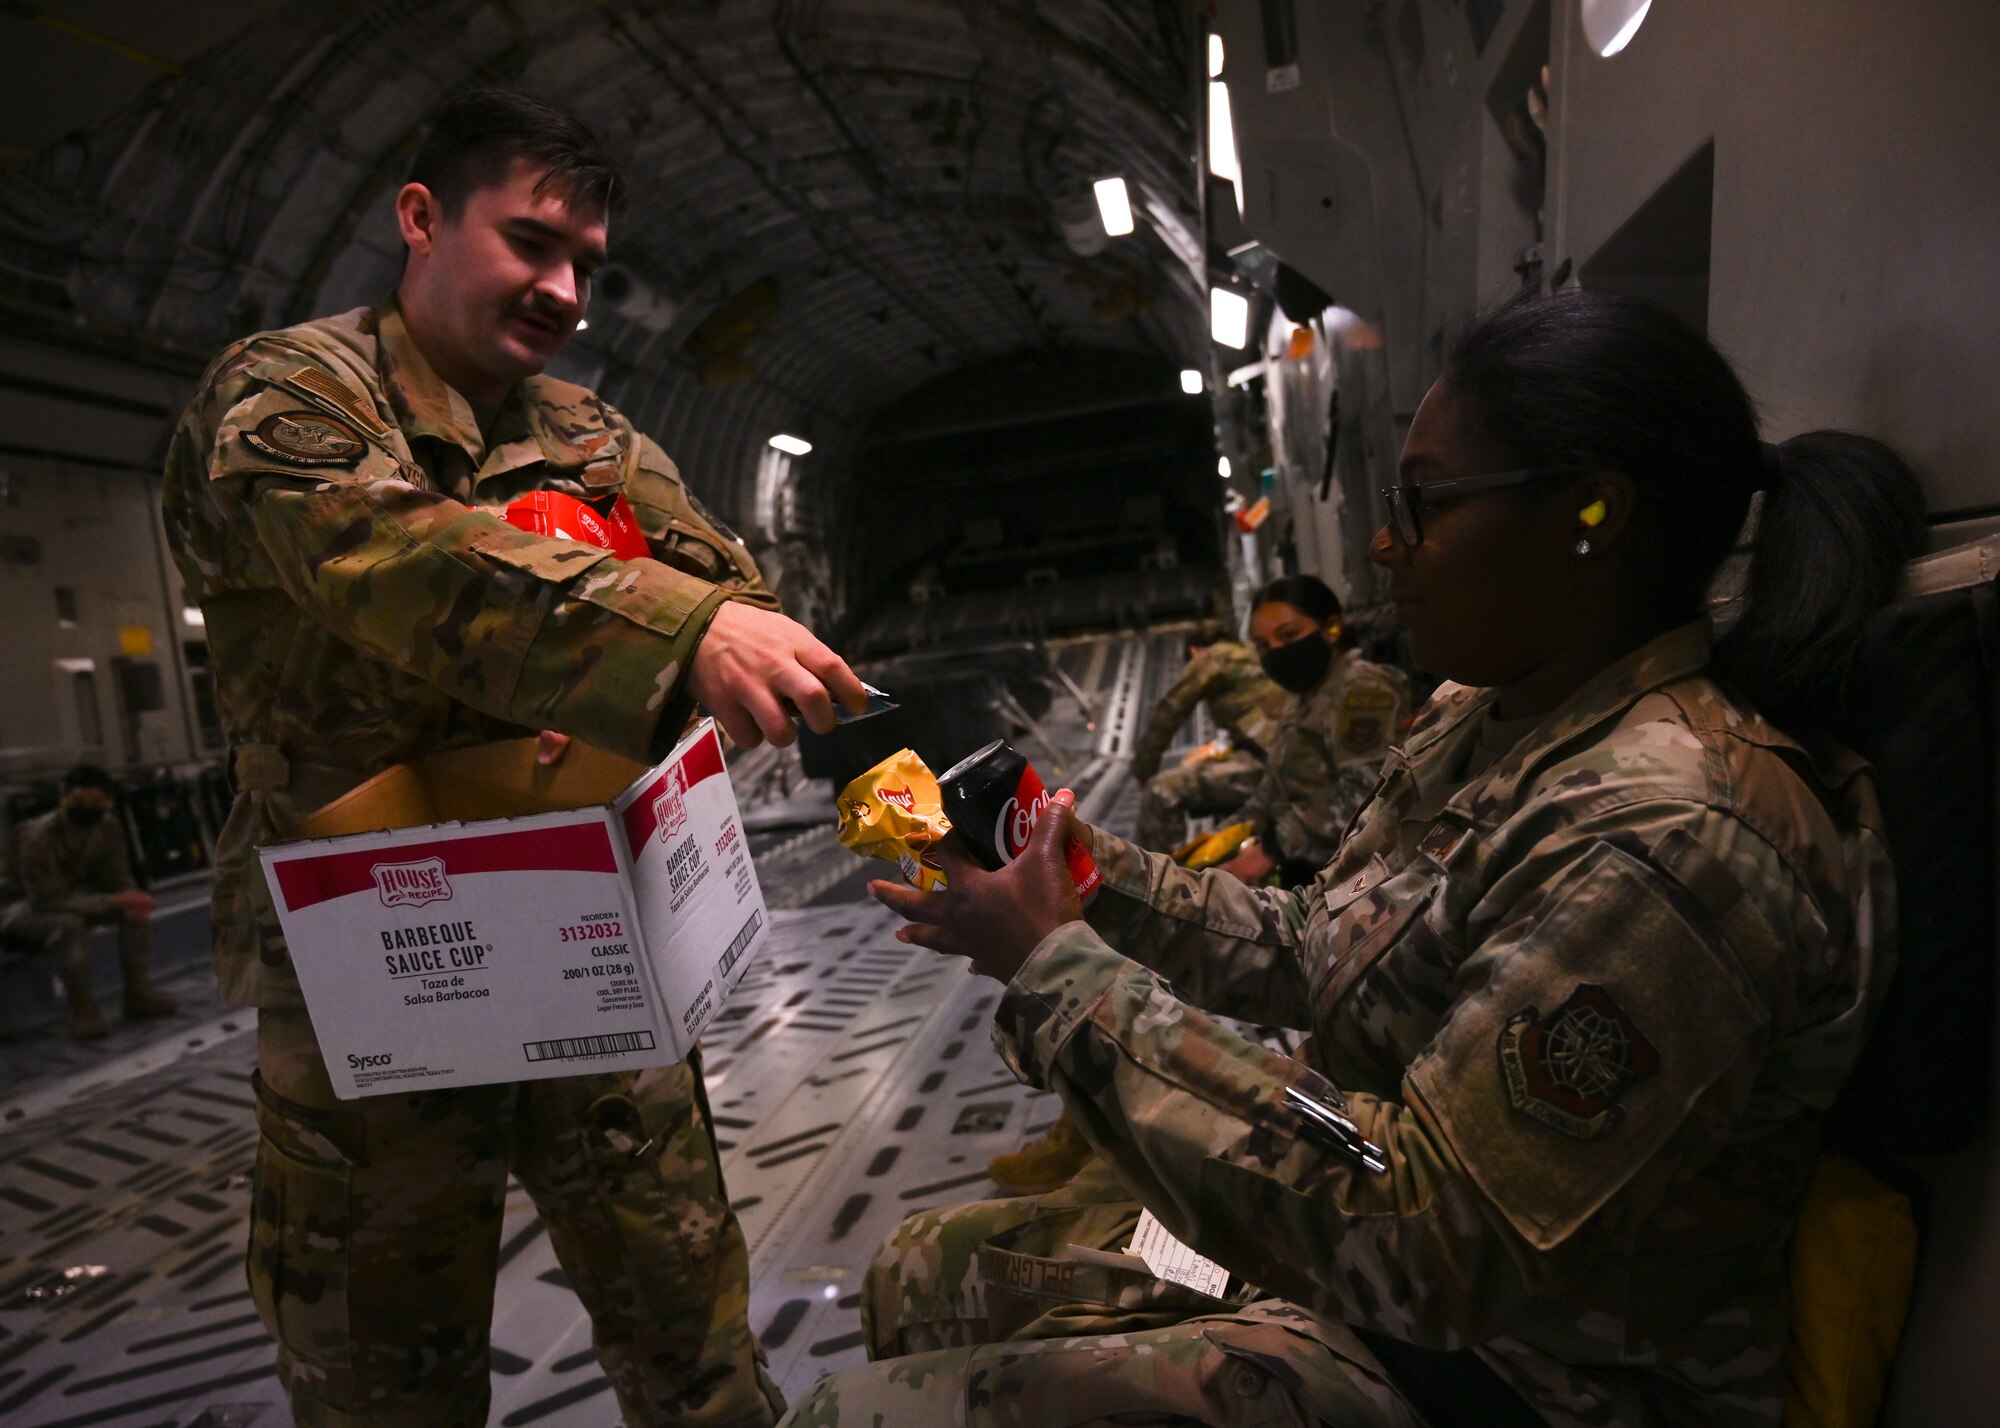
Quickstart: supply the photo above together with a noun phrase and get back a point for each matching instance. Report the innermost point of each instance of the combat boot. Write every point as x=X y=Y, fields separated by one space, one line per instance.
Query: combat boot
x=1046 y=1163
x=141 y=1001
x=86 y=1022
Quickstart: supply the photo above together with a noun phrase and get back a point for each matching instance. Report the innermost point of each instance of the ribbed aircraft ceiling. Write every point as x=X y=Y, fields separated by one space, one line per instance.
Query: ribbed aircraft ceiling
x=835 y=200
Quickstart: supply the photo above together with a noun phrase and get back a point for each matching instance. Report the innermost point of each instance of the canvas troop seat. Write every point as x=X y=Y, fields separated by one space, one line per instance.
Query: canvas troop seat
x=1924 y=708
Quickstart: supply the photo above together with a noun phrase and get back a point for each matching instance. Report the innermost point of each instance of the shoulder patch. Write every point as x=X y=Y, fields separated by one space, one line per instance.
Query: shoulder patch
x=1369 y=696
x=302 y=438
x=321 y=383
x=1568 y=1069
x=1363 y=733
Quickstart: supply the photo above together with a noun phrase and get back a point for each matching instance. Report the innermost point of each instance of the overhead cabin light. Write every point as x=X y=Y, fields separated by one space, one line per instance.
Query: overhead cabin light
x=1113 y=206
x=1214 y=56
x=1222 y=467
x=1222 y=160
x=1609 y=25
x=791 y=445
x=1191 y=382
x=1229 y=317
x=192 y=615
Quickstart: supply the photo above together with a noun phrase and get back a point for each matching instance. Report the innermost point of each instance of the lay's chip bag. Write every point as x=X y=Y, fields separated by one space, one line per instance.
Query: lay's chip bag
x=895 y=811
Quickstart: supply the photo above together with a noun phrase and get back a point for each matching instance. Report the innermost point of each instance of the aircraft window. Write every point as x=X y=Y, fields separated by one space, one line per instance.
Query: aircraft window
x=1609 y=25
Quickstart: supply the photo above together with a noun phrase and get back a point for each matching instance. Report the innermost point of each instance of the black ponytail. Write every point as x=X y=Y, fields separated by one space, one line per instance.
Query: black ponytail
x=1606 y=382
x=1841 y=514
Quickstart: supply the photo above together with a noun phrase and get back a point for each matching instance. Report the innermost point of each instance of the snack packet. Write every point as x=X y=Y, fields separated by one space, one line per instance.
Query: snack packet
x=895 y=811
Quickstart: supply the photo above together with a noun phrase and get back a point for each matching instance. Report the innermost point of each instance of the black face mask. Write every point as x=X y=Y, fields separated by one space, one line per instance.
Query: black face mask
x=84 y=817
x=1300 y=665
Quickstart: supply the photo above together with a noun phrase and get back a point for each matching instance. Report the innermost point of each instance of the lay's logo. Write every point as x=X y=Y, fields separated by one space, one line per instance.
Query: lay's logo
x=670 y=808
x=412 y=884
x=903 y=798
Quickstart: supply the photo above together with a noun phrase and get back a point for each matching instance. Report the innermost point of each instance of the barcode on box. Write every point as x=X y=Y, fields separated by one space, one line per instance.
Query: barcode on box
x=578 y=1048
x=741 y=941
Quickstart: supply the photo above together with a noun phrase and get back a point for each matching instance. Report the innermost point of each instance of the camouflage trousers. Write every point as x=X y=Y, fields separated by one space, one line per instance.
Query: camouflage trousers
x=980 y=1316
x=375 y=1238
x=1173 y=796
x=68 y=936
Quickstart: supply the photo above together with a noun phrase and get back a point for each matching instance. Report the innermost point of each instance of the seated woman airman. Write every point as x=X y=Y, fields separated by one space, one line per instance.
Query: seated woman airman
x=1581 y=982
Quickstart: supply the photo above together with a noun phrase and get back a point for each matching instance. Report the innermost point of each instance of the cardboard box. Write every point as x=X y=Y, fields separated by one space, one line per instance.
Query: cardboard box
x=473 y=917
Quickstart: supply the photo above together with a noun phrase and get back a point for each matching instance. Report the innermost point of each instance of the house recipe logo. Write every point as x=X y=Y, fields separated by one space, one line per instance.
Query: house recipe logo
x=412 y=884
x=670 y=808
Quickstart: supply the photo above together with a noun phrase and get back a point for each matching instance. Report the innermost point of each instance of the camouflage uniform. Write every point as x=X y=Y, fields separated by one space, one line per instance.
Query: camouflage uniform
x=67 y=876
x=1242 y=699
x=331 y=503
x=1324 y=762
x=1590 y=1003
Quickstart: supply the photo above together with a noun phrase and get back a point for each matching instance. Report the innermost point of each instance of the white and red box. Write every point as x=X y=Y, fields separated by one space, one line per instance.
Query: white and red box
x=555 y=941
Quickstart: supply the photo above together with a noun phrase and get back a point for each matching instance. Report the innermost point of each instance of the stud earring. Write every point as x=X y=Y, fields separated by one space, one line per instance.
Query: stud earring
x=1583 y=546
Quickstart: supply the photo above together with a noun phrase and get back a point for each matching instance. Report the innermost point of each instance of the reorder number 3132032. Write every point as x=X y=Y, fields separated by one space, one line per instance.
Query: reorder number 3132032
x=591 y=932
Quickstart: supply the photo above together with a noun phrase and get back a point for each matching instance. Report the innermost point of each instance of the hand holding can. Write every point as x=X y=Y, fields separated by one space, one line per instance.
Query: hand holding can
x=993 y=798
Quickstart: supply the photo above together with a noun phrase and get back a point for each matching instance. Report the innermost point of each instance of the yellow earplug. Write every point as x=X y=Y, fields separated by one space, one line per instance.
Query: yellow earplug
x=1593 y=514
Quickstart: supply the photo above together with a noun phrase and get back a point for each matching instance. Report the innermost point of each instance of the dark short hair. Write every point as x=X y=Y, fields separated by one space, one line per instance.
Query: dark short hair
x=1306 y=593
x=476 y=136
x=89 y=776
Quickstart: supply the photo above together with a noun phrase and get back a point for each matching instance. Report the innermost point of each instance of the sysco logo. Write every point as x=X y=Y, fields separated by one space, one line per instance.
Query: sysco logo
x=1015 y=823
x=412 y=884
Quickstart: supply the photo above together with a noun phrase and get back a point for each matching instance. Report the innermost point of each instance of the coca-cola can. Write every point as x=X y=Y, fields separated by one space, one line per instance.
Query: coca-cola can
x=993 y=798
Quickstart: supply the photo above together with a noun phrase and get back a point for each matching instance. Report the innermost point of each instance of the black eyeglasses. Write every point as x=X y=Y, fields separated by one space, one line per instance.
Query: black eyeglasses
x=1408 y=500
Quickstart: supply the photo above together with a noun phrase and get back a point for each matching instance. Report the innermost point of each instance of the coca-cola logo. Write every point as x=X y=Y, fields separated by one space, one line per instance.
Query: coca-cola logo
x=903 y=798
x=412 y=884
x=670 y=808
x=593 y=528
x=1015 y=823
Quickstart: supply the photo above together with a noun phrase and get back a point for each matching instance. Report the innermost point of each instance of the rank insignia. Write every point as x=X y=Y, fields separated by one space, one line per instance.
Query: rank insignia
x=1568 y=1069
x=307 y=439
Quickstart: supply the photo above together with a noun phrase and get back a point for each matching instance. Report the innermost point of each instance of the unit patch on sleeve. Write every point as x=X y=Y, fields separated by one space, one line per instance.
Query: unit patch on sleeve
x=305 y=438
x=1362 y=733
x=1568 y=1069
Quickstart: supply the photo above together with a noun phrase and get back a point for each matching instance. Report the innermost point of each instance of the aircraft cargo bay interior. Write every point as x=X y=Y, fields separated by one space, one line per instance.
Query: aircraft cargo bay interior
x=813 y=712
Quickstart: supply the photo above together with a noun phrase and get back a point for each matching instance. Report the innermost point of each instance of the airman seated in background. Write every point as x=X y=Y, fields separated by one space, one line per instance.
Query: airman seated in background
x=334 y=498
x=1343 y=715
x=1242 y=702
x=75 y=872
